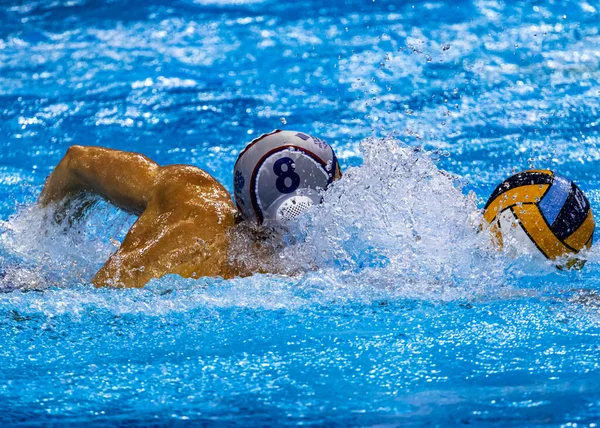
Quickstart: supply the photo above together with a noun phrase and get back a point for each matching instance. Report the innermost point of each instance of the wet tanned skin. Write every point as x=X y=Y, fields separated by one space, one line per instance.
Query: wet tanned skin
x=184 y=214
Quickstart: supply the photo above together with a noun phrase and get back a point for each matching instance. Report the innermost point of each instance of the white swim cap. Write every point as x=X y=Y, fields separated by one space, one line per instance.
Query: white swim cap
x=279 y=175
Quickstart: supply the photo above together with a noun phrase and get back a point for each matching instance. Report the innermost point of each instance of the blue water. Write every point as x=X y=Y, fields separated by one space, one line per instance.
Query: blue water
x=408 y=316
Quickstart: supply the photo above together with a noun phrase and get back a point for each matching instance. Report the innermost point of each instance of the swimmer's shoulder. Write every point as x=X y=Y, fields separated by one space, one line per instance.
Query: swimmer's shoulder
x=185 y=184
x=185 y=175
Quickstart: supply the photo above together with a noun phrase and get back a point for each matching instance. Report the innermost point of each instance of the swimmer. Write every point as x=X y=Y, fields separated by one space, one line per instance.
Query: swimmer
x=186 y=217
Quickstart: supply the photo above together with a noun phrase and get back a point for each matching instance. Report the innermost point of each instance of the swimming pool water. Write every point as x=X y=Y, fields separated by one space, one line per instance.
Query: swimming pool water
x=408 y=316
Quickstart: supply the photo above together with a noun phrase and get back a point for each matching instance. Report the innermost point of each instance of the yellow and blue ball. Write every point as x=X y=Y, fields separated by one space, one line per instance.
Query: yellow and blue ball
x=544 y=209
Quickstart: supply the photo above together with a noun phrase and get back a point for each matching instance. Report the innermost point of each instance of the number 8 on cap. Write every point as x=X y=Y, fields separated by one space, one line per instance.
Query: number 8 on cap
x=279 y=175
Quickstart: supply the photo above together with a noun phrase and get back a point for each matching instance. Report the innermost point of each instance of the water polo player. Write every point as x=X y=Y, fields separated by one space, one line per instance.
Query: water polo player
x=185 y=215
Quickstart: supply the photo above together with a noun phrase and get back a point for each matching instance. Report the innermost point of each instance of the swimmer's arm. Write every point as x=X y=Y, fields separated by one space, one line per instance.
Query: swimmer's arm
x=123 y=178
x=184 y=230
x=338 y=171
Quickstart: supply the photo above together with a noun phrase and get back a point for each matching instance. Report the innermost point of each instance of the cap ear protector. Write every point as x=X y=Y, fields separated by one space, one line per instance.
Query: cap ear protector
x=279 y=175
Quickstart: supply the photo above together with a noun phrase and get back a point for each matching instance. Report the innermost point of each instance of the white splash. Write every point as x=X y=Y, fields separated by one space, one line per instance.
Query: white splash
x=398 y=222
x=40 y=252
x=396 y=226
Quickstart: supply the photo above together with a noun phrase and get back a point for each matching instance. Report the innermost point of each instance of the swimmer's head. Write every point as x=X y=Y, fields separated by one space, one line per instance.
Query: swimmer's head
x=279 y=175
